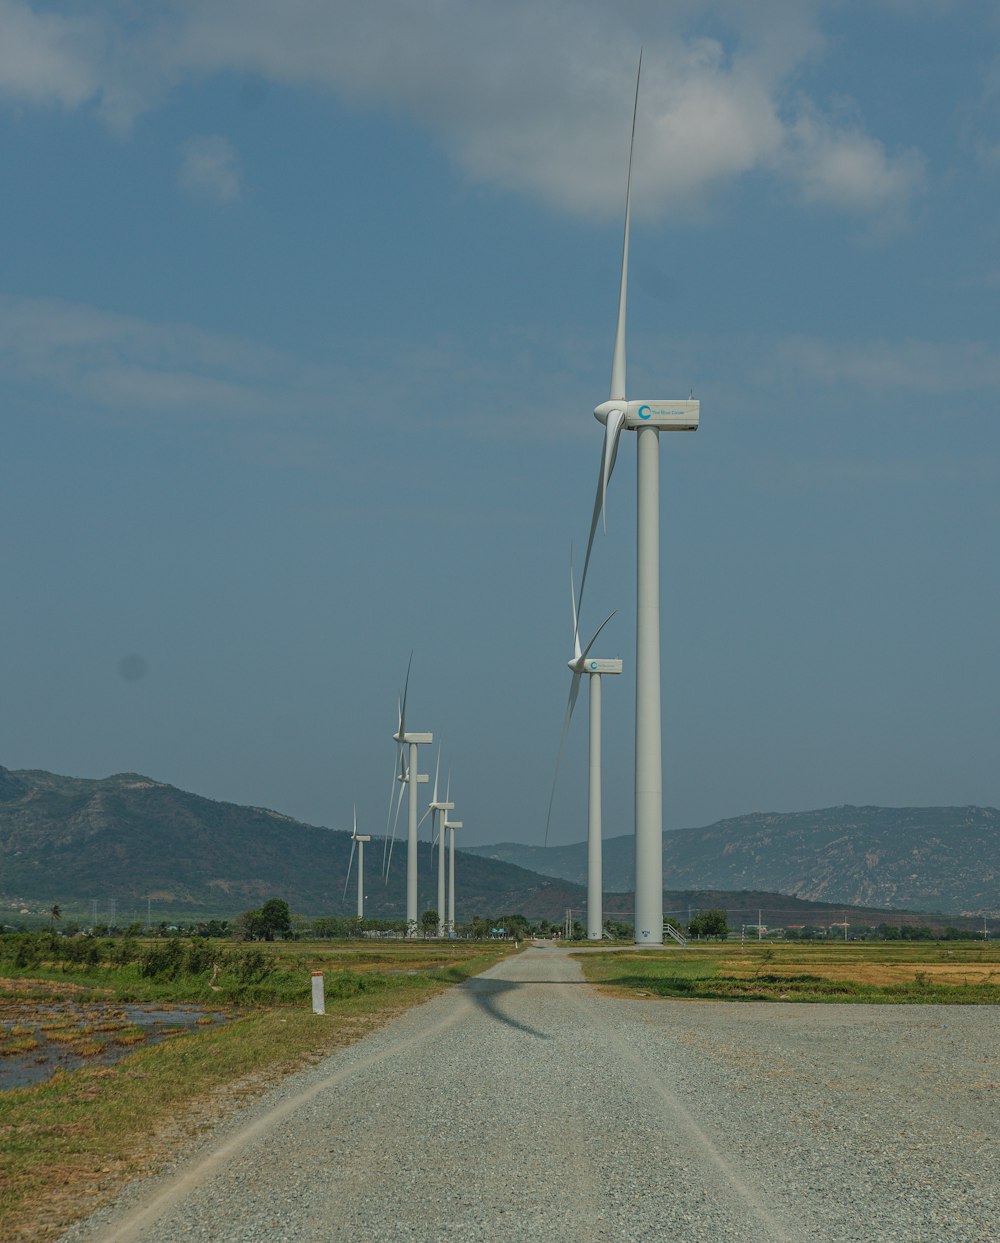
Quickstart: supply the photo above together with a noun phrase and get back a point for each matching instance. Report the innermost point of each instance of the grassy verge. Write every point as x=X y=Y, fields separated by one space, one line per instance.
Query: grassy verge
x=67 y=1145
x=961 y=974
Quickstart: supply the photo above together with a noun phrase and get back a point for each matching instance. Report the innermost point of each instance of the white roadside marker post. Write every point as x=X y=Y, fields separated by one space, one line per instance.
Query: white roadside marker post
x=319 y=1002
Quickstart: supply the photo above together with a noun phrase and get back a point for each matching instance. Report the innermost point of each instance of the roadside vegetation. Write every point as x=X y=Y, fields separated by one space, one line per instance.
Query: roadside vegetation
x=952 y=973
x=67 y=1144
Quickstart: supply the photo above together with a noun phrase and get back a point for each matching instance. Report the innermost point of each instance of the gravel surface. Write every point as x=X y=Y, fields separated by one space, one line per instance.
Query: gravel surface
x=525 y=1106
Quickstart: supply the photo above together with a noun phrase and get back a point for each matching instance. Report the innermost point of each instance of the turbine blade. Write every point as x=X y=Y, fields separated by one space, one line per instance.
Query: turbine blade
x=437 y=769
x=447 y=792
x=598 y=631
x=402 y=702
x=612 y=438
x=350 y=864
x=388 y=817
x=609 y=455
x=574 y=690
x=392 y=839
x=424 y=816
x=618 y=357
x=572 y=600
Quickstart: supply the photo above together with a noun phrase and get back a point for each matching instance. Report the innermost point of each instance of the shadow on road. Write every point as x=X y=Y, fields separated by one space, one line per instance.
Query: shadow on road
x=485 y=994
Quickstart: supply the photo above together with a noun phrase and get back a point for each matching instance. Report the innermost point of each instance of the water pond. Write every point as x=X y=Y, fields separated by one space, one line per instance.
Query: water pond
x=39 y=1038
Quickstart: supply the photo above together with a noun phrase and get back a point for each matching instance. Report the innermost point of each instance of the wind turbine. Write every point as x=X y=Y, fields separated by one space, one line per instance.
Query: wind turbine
x=647 y=418
x=594 y=667
x=410 y=740
x=359 y=840
x=439 y=813
x=451 y=826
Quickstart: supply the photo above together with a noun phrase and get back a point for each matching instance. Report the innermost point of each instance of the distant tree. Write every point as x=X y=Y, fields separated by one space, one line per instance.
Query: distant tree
x=711 y=923
x=477 y=929
x=429 y=923
x=54 y=914
x=248 y=926
x=275 y=919
x=517 y=926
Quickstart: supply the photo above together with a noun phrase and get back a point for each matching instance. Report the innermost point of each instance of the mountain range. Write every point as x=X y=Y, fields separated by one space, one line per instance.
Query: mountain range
x=77 y=841
x=918 y=858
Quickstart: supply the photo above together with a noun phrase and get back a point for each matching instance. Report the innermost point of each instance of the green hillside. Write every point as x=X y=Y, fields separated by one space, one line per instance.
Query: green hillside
x=915 y=858
x=75 y=840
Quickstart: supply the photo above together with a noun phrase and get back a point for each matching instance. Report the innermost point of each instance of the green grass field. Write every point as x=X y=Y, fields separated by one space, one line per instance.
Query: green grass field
x=67 y=1145
x=958 y=972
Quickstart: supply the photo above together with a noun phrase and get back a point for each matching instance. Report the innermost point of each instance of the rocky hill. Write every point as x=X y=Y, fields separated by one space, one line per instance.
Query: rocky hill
x=915 y=858
x=74 y=841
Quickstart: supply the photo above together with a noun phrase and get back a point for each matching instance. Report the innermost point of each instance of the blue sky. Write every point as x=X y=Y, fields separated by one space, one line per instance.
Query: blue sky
x=304 y=309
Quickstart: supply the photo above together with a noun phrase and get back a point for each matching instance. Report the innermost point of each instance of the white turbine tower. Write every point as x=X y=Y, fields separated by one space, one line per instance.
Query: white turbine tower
x=647 y=418
x=410 y=741
x=358 y=839
x=439 y=812
x=451 y=826
x=594 y=667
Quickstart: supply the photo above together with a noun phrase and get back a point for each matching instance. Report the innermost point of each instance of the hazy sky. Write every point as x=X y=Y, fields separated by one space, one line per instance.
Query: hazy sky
x=304 y=309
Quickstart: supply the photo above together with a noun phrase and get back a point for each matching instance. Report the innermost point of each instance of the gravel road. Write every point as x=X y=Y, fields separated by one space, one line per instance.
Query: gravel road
x=525 y=1106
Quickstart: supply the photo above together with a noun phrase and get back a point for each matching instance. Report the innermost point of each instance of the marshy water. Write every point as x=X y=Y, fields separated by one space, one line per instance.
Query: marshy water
x=39 y=1038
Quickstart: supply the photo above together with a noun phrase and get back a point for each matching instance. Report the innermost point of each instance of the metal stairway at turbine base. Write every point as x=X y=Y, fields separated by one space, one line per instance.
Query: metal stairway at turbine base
x=670 y=931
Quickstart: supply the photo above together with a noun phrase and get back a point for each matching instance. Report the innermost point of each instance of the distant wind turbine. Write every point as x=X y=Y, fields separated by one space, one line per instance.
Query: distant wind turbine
x=358 y=839
x=647 y=418
x=594 y=667
x=451 y=826
x=439 y=811
x=410 y=741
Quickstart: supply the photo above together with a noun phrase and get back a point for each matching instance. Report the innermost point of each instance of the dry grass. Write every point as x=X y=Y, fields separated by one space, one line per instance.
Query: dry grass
x=873 y=973
x=67 y=1145
x=925 y=972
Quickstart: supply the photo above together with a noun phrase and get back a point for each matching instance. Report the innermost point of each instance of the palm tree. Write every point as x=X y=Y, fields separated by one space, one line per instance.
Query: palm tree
x=54 y=914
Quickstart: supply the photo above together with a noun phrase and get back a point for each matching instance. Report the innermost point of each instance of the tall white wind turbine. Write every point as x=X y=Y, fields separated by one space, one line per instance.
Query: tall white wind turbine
x=451 y=826
x=439 y=809
x=594 y=667
x=647 y=418
x=358 y=839
x=410 y=741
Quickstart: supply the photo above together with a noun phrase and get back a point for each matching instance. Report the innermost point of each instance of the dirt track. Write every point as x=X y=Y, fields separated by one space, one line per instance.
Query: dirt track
x=524 y=1105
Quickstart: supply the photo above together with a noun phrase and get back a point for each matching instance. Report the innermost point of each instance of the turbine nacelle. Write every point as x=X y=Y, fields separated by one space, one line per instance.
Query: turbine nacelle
x=406 y=739
x=592 y=664
x=668 y=416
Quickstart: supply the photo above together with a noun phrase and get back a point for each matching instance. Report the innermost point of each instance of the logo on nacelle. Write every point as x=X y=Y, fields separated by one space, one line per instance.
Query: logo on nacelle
x=644 y=412
x=593 y=664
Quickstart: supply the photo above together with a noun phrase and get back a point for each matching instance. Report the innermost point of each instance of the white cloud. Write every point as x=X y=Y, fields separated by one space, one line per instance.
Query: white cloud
x=46 y=58
x=95 y=361
x=119 y=362
x=932 y=367
x=845 y=167
x=210 y=169
x=531 y=97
